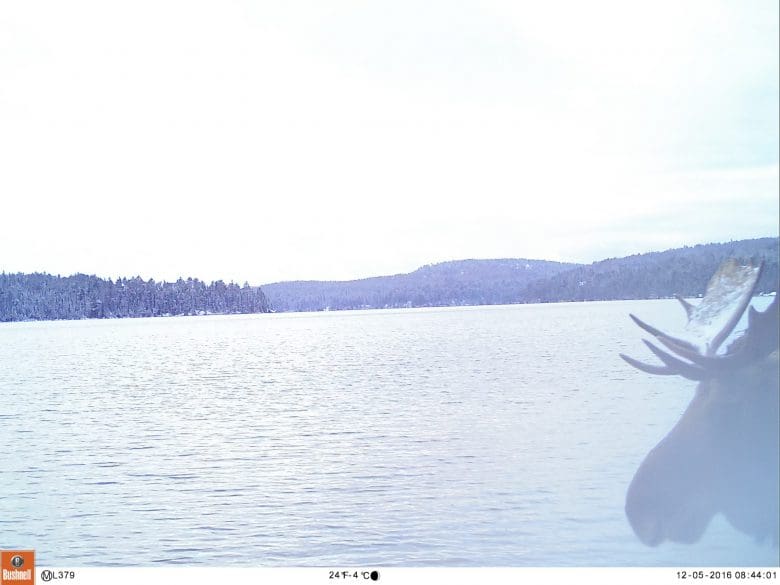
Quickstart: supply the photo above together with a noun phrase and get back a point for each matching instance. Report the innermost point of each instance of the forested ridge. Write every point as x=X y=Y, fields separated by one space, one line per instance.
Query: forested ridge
x=27 y=297
x=683 y=271
x=458 y=282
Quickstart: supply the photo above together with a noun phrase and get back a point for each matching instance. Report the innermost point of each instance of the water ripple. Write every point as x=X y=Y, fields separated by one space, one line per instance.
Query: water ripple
x=392 y=438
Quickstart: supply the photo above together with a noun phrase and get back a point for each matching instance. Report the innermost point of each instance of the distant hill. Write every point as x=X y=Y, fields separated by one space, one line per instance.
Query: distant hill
x=459 y=282
x=684 y=271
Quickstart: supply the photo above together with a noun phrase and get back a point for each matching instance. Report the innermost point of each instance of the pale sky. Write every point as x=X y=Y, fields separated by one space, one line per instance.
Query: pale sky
x=261 y=141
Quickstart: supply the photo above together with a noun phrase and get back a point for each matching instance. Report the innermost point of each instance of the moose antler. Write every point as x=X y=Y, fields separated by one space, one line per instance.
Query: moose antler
x=709 y=324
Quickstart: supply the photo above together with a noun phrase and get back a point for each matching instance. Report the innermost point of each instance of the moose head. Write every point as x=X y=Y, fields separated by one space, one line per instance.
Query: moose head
x=723 y=455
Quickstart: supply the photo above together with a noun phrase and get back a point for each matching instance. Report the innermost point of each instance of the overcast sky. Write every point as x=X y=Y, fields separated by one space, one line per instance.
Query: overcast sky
x=263 y=141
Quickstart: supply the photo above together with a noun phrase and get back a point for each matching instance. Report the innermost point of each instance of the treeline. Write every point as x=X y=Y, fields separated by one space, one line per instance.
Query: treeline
x=454 y=283
x=26 y=297
x=684 y=271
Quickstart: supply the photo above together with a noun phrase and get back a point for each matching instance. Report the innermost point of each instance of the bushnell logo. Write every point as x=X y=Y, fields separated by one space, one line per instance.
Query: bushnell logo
x=17 y=567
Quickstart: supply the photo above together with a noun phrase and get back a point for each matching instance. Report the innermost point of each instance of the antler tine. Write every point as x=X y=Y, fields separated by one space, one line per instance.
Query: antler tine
x=678 y=366
x=719 y=363
x=648 y=368
x=657 y=333
x=686 y=305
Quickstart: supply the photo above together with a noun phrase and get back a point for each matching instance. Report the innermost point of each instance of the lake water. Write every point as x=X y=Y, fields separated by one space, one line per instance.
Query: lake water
x=502 y=435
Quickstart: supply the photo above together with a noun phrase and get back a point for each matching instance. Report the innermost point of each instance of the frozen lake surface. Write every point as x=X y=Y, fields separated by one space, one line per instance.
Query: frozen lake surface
x=502 y=435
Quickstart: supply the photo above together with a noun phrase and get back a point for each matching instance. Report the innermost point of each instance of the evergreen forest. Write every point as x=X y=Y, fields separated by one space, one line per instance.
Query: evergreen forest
x=32 y=297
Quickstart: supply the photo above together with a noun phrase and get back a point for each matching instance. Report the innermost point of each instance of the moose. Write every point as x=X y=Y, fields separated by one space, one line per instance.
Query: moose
x=723 y=455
